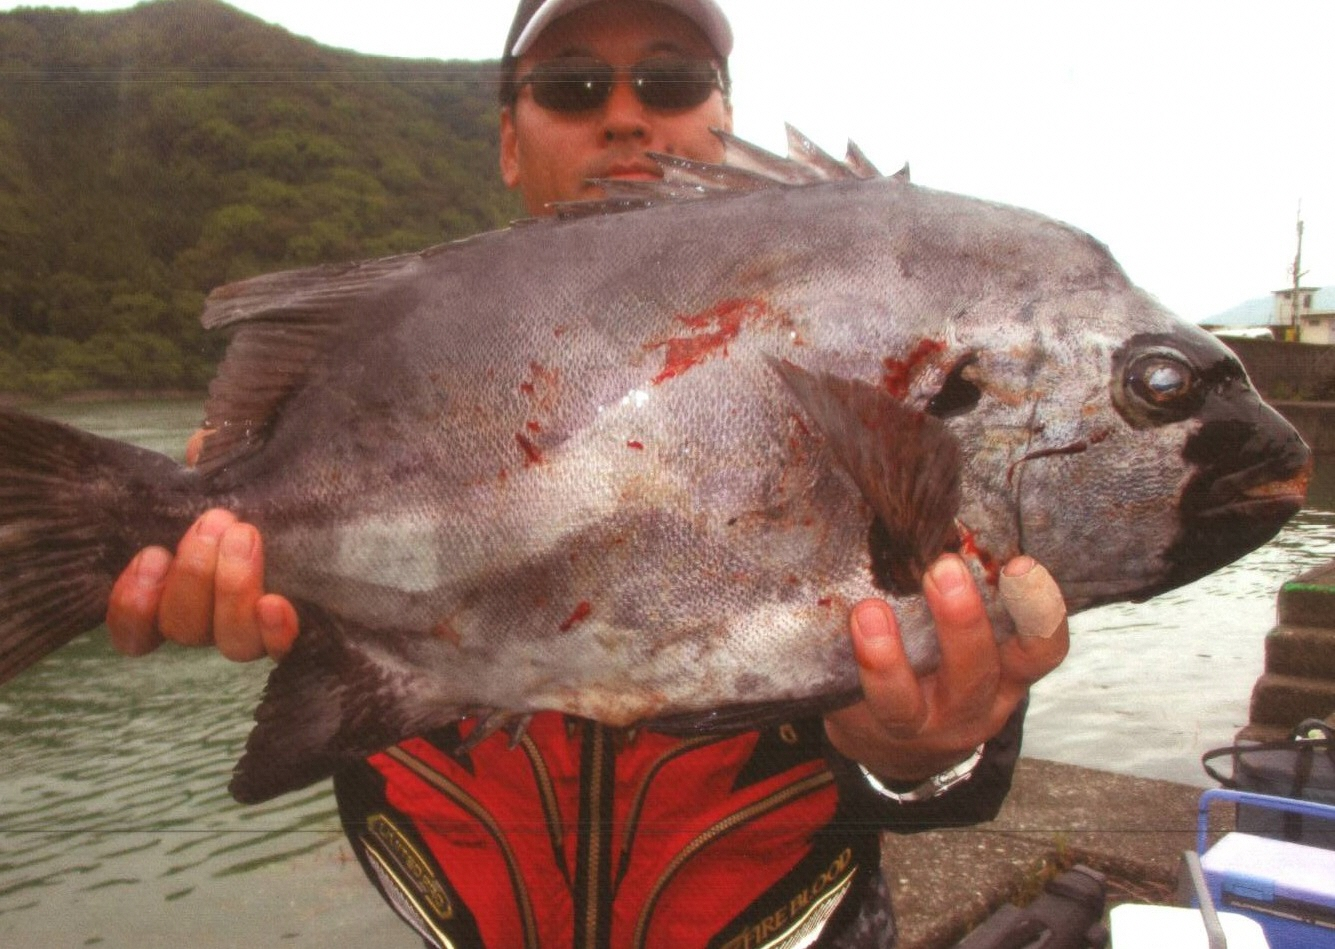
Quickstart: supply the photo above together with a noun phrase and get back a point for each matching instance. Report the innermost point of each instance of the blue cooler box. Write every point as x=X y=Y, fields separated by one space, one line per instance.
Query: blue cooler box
x=1286 y=887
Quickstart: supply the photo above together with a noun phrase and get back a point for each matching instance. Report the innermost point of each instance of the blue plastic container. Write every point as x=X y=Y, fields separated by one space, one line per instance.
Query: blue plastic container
x=1287 y=887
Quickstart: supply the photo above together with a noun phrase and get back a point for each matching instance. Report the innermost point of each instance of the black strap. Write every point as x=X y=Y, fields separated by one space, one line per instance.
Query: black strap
x=1303 y=747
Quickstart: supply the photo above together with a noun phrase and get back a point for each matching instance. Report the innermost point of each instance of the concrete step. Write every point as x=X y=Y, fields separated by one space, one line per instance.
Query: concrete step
x=1309 y=600
x=1286 y=700
x=1304 y=651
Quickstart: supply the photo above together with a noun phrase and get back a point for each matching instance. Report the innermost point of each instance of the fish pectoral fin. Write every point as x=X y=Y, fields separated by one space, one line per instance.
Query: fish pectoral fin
x=341 y=695
x=905 y=462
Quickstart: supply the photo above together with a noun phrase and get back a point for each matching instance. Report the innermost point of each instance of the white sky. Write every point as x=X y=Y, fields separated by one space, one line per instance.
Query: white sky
x=1184 y=134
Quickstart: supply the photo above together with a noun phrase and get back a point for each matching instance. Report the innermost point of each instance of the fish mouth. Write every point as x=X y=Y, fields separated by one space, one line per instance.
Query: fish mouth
x=1257 y=493
x=1231 y=514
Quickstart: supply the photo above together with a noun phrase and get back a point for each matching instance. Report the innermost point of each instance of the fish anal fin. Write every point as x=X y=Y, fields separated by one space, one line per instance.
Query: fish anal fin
x=332 y=701
x=905 y=463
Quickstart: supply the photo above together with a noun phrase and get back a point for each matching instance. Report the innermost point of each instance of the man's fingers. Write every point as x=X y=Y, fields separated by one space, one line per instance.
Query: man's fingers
x=186 y=613
x=238 y=583
x=1032 y=598
x=969 y=670
x=1036 y=605
x=278 y=625
x=889 y=686
x=195 y=446
x=132 y=609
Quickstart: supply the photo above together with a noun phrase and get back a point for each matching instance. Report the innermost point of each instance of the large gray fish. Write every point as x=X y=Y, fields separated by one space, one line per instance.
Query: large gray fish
x=638 y=466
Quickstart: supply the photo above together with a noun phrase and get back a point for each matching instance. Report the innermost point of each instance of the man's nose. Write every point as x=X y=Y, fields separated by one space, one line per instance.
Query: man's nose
x=624 y=115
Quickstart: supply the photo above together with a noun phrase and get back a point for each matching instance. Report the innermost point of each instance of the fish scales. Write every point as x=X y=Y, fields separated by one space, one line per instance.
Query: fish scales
x=638 y=466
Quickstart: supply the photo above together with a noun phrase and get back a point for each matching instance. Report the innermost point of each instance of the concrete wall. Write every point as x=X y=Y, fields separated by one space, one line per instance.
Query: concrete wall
x=1288 y=370
x=1315 y=422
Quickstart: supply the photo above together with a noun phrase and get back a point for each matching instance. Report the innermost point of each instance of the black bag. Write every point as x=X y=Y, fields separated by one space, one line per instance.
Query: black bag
x=1066 y=916
x=1302 y=767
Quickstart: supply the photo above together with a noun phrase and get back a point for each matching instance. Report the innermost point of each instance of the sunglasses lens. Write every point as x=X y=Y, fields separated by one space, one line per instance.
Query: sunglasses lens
x=571 y=87
x=674 y=83
x=580 y=86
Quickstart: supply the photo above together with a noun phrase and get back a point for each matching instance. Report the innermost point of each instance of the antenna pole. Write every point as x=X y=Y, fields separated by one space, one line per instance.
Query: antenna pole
x=1295 y=302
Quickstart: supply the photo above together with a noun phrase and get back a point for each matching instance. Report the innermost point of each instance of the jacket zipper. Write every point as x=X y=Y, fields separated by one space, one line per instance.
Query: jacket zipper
x=637 y=804
x=482 y=816
x=773 y=801
x=550 y=807
x=593 y=889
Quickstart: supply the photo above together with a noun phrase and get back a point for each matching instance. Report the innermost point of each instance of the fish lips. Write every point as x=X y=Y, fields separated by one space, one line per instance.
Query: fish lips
x=1247 y=486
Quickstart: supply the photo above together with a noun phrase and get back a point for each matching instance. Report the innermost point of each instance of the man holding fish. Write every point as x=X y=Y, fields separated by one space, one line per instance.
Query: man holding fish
x=585 y=835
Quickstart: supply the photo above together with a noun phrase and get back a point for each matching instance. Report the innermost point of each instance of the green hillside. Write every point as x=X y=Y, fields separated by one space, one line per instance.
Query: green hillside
x=149 y=155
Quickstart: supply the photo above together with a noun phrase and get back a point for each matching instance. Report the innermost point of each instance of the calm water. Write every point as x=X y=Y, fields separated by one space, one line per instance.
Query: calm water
x=116 y=828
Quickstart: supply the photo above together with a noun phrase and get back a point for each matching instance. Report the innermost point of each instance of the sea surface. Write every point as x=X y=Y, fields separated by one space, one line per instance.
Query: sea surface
x=116 y=828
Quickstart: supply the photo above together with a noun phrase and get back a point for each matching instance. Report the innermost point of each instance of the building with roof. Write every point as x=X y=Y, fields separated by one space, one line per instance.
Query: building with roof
x=1272 y=317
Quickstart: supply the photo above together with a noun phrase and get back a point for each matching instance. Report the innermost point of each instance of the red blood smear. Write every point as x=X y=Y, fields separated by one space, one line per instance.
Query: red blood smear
x=899 y=373
x=969 y=548
x=711 y=332
x=532 y=452
x=581 y=613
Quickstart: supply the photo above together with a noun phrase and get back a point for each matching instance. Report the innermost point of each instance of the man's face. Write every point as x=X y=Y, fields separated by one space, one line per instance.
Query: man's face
x=550 y=155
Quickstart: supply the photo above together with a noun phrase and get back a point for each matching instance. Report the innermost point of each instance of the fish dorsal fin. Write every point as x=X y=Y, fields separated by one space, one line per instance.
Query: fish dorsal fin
x=905 y=462
x=281 y=322
x=745 y=168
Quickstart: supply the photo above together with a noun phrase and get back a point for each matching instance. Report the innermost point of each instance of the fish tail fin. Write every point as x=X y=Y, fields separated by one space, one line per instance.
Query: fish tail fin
x=342 y=694
x=74 y=507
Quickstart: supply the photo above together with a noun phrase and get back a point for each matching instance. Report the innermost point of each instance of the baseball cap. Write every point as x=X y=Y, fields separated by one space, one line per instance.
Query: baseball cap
x=534 y=16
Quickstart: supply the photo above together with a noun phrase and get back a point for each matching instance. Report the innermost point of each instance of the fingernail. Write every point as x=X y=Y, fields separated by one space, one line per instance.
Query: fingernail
x=870 y=623
x=1019 y=566
x=949 y=575
x=872 y=635
x=150 y=567
x=238 y=544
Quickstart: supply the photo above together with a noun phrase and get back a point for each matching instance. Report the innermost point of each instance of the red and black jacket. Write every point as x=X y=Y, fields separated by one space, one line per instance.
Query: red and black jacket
x=583 y=836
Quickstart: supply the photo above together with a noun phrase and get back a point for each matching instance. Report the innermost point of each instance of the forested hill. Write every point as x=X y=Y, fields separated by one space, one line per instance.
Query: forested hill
x=151 y=154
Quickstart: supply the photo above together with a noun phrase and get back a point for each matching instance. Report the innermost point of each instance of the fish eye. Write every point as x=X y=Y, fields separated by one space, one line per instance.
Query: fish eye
x=1161 y=381
x=1157 y=387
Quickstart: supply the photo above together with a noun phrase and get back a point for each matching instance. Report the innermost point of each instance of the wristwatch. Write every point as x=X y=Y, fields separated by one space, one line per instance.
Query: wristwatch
x=933 y=787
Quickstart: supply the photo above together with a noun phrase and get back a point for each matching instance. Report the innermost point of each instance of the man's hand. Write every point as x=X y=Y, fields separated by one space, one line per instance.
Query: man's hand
x=907 y=729
x=210 y=593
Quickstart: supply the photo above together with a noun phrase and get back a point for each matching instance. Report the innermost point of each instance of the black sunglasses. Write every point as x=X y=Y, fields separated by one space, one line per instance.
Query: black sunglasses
x=573 y=84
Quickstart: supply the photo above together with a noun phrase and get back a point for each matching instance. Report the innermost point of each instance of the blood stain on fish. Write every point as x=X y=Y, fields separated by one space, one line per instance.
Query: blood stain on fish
x=708 y=333
x=532 y=453
x=579 y=615
x=900 y=373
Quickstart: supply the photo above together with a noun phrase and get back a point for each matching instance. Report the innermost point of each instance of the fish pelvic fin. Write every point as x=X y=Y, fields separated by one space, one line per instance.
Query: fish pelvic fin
x=744 y=717
x=906 y=464
x=74 y=508
x=343 y=693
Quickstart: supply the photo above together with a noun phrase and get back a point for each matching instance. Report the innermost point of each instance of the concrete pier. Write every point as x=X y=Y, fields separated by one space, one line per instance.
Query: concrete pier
x=1299 y=677
x=1135 y=830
